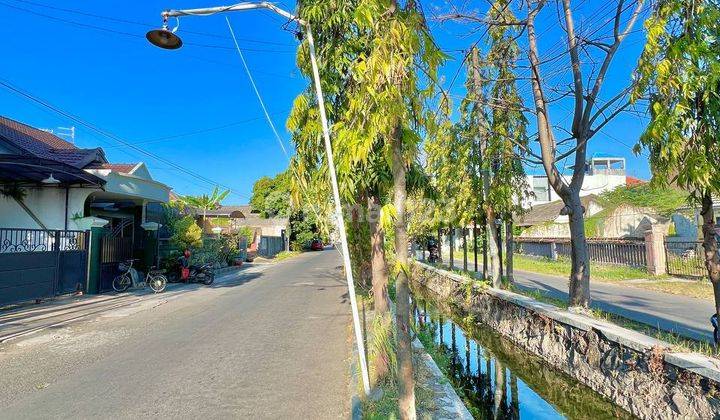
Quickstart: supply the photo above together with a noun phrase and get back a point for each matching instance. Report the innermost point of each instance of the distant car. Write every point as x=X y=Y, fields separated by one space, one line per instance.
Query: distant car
x=316 y=245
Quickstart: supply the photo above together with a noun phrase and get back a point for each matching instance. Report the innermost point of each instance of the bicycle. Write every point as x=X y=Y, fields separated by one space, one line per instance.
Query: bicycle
x=153 y=279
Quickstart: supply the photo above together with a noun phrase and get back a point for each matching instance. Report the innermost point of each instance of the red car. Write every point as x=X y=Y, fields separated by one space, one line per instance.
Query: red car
x=316 y=245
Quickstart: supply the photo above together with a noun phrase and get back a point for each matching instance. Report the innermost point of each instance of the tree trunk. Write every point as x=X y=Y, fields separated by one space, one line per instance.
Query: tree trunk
x=406 y=382
x=484 y=249
x=377 y=258
x=451 y=237
x=493 y=254
x=509 y=251
x=514 y=398
x=712 y=260
x=379 y=277
x=500 y=390
x=579 y=258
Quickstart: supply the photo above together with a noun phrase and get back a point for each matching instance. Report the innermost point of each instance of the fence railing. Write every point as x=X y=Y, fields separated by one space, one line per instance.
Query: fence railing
x=116 y=249
x=685 y=258
x=37 y=240
x=629 y=252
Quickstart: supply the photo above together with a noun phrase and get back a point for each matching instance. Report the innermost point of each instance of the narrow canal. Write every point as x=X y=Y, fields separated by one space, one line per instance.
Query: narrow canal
x=498 y=380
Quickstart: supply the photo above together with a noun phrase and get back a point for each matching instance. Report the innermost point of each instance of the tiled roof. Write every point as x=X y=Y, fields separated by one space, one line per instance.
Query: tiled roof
x=547 y=212
x=30 y=138
x=125 y=168
x=227 y=210
x=46 y=145
x=631 y=180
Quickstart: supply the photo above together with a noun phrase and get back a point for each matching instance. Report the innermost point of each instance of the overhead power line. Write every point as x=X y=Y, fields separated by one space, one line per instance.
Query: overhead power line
x=129 y=34
x=196 y=132
x=138 y=23
x=257 y=92
x=110 y=135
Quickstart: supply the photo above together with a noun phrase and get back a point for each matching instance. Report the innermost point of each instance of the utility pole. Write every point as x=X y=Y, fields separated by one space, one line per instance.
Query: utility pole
x=167 y=39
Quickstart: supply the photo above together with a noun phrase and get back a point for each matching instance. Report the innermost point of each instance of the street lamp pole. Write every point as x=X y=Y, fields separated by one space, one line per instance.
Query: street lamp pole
x=167 y=39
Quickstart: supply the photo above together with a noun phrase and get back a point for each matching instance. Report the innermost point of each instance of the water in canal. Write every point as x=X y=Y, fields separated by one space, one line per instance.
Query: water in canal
x=498 y=380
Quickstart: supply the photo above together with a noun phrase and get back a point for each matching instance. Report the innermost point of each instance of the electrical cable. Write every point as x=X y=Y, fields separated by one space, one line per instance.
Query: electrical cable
x=257 y=92
x=130 y=34
x=137 y=23
x=196 y=132
x=105 y=133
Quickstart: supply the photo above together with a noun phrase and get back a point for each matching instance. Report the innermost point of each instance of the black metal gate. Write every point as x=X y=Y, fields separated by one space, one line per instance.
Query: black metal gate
x=685 y=258
x=113 y=251
x=38 y=264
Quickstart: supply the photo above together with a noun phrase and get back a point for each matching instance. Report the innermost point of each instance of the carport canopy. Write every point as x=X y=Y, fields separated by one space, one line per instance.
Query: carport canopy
x=31 y=170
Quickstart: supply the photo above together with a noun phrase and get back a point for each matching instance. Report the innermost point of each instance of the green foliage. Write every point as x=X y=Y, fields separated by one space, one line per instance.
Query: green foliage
x=205 y=202
x=489 y=138
x=680 y=72
x=260 y=191
x=594 y=223
x=507 y=137
x=284 y=255
x=303 y=228
x=662 y=200
x=665 y=201
x=14 y=191
x=271 y=196
x=186 y=234
x=247 y=232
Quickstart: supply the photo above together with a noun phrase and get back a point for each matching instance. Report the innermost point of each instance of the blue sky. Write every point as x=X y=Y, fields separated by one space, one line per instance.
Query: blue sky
x=104 y=72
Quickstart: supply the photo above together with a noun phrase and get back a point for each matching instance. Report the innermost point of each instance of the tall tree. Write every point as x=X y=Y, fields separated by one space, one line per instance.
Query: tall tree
x=680 y=71
x=507 y=138
x=364 y=182
x=588 y=117
x=591 y=111
x=389 y=107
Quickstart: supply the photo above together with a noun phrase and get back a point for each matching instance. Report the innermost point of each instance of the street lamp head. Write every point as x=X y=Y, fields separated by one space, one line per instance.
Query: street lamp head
x=164 y=38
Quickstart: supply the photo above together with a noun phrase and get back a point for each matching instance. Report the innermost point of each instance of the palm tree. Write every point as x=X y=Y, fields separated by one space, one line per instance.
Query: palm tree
x=205 y=202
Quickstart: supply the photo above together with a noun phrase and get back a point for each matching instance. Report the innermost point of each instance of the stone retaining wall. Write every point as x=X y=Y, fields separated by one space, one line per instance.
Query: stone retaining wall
x=635 y=371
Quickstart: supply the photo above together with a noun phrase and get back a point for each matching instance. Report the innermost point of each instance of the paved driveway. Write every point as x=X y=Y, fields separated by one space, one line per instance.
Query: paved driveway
x=271 y=342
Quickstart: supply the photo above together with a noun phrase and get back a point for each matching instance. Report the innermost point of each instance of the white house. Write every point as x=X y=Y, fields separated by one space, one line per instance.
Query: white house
x=48 y=183
x=602 y=173
x=51 y=194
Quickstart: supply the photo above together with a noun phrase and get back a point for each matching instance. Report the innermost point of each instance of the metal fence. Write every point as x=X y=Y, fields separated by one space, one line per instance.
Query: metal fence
x=116 y=249
x=38 y=240
x=38 y=264
x=629 y=252
x=685 y=258
x=271 y=246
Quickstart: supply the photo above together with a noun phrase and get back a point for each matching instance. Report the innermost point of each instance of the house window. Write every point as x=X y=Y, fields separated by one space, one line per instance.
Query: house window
x=541 y=188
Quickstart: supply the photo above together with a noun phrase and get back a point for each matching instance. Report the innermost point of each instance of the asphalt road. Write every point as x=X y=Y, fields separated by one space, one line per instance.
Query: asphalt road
x=685 y=315
x=270 y=342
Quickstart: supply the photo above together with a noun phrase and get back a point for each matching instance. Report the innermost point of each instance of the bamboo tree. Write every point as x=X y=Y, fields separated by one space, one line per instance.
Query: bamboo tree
x=680 y=70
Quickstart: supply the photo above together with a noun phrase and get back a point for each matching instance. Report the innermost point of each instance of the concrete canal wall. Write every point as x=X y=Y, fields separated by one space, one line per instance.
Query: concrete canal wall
x=636 y=372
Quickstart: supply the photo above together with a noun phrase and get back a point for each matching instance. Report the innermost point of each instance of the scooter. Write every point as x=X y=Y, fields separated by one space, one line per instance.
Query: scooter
x=193 y=273
x=202 y=274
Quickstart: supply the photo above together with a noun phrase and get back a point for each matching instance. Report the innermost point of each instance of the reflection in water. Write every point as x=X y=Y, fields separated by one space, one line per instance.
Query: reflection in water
x=498 y=380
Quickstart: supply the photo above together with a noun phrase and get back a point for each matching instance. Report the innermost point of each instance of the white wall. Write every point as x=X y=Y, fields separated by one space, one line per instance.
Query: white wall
x=592 y=184
x=48 y=205
x=133 y=186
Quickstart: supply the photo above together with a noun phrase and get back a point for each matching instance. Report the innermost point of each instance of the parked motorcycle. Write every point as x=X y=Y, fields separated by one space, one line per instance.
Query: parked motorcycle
x=202 y=274
x=193 y=273
x=434 y=251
